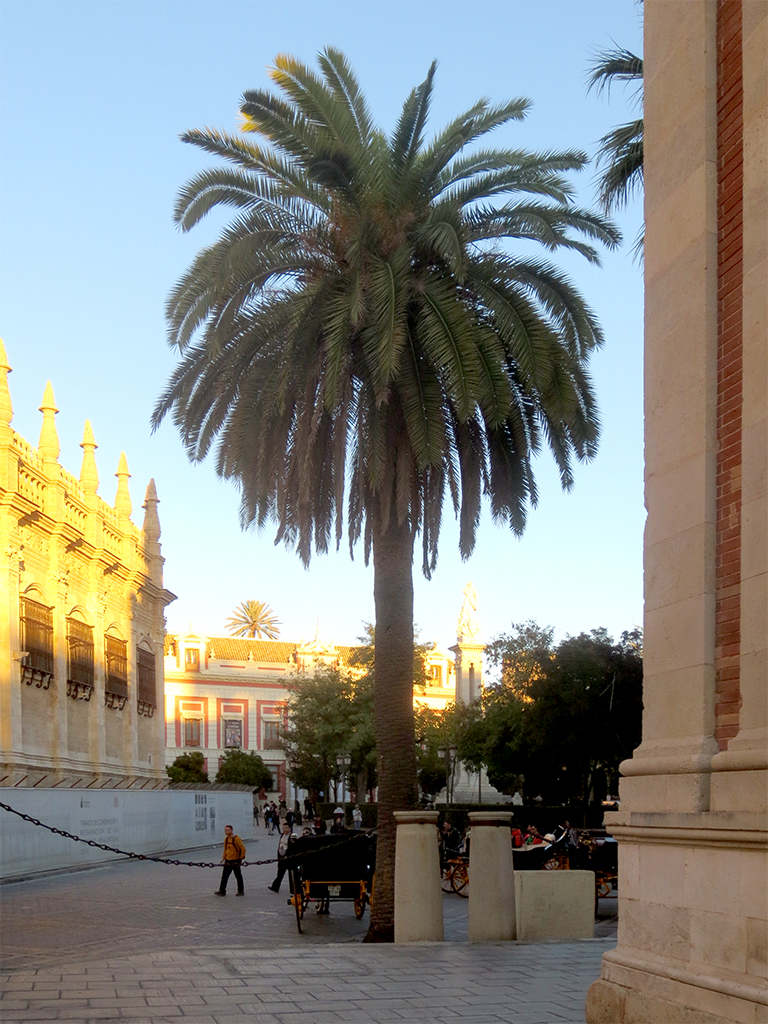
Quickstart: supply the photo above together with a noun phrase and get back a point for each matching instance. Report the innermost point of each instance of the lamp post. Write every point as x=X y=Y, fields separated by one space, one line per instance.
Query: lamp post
x=343 y=761
x=293 y=764
x=448 y=756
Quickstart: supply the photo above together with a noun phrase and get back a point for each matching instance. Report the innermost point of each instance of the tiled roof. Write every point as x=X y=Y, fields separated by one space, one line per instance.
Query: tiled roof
x=237 y=648
x=263 y=652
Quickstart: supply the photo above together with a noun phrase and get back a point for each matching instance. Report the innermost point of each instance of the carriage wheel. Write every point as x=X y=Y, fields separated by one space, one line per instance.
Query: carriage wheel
x=360 y=905
x=297 y=899
x=445 y=880
x=460 y=879
x=603 y=888
x=556 y=863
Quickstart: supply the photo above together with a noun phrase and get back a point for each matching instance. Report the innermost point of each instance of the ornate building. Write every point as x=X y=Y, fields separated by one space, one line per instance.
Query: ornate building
x=81 y=618
x=225 y=692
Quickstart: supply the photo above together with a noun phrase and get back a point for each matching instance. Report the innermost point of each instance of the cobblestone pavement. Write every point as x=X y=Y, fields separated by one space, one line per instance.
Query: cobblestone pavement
x=542 y=984
x=150 y=943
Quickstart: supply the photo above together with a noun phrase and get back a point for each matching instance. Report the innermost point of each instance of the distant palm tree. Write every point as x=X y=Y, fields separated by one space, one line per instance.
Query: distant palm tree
x=620 y=153
x=254 y=619
x=368 y=335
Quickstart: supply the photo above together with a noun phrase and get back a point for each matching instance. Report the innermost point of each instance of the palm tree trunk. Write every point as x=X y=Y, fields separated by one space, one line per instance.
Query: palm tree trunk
x=393 y=710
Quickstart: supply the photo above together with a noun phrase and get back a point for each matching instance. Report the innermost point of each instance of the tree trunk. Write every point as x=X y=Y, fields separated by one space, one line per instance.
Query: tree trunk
x=393 y=710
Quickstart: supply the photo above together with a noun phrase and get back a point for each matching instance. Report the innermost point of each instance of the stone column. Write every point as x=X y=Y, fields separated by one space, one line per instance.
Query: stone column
x=492 y=878
x=418 y=896
x=693 y=855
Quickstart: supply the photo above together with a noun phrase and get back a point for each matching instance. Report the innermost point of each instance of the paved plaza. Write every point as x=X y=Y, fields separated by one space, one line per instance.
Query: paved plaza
x=150 y=943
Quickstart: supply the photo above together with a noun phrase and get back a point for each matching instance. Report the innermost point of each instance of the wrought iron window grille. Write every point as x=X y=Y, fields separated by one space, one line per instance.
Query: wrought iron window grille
x=80 y=672
x=144 y=708
x=116 y=684
x=36 y=622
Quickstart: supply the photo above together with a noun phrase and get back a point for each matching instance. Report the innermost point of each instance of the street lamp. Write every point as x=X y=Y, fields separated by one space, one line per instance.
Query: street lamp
x=448 y=756
x=343 y=761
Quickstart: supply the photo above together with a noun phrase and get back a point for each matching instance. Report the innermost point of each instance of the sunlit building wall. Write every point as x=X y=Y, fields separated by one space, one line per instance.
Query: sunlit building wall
x=81 y=618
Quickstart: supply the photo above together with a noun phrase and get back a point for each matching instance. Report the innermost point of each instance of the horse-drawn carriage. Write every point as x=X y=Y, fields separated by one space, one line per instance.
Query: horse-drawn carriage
x=332 y=869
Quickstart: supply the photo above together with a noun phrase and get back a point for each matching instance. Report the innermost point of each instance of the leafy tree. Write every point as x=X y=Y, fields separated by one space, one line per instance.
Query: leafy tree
x=246 y=769
x=521 y=655
x=620 y=152
x=318 y=728
x=361 y=333
x=188 y=768
x=578 y=720
x=254 y=619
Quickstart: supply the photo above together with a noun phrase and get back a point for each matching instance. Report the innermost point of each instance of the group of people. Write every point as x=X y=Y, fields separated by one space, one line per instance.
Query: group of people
x=234 y=848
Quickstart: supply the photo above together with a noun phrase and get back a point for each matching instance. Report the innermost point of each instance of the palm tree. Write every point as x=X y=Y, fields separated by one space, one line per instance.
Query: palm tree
x=254 y=619
x=620 y=153
x=360 y=335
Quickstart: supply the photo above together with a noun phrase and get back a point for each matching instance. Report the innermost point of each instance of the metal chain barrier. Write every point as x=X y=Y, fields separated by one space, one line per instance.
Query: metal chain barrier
x=165 y=860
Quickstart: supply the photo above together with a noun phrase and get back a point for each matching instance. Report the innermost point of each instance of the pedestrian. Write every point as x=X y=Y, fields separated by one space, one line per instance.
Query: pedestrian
x=290 y=818
x=320 y=826
x=309 y=810
x=234 y=852
x=274 y=821
x=255 y=814
x=357 y=818
x=338 y=822
x=282 y=853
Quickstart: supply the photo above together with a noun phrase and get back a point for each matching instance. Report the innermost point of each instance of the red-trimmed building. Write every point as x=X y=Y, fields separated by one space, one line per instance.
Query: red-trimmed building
x=225 y=692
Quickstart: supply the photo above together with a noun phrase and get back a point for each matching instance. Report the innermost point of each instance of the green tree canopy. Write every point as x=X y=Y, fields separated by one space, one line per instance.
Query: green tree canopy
x=368 y=336
x=579 y=718
x=245 y=769
x=188 y=768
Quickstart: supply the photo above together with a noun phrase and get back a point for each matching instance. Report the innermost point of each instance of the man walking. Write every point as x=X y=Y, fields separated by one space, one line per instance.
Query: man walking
x=234 y=852
x=282 y=853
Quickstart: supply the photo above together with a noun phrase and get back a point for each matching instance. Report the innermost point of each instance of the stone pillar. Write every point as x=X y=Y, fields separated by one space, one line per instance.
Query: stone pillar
x=418 y=896
x=492 y=893
x=693 y=855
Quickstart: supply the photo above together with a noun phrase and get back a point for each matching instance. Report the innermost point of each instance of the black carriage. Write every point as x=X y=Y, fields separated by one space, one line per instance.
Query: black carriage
x=332 y=869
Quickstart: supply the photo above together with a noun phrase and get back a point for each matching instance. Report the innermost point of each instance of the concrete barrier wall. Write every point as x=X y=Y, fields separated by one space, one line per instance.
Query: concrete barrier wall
x=153 y=822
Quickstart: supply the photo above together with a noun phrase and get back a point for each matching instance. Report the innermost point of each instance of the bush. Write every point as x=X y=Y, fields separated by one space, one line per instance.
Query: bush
x=188 y=768
x=247 y=769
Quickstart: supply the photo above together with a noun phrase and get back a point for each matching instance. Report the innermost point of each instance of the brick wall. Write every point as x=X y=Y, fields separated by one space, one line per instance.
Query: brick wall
x=729 y=367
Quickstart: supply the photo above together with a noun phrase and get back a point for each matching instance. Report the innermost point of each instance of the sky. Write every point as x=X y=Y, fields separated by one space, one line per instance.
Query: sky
x=93 y=99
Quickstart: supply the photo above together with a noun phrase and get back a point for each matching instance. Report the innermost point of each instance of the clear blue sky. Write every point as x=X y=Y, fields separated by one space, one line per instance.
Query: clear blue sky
x=93 y=98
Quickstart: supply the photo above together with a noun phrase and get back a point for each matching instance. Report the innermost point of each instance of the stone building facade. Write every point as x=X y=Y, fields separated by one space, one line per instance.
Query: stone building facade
x=224 y=692
x=81 y=618
x=693 y=824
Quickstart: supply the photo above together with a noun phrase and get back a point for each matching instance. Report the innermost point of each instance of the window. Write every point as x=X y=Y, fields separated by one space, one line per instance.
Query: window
x=79 y=660
x=192 y=732
x=116 y=684
x=233 y=733
x=192 y=659
x=37 y=637
x=270 y=731
x=147 y=700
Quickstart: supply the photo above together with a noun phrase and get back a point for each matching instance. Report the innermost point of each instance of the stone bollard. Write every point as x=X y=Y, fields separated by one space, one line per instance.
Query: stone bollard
x=418 y=896
x=491 y=878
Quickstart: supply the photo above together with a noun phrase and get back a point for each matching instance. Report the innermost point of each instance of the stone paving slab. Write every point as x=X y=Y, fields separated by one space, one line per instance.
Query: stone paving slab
x=449 y=983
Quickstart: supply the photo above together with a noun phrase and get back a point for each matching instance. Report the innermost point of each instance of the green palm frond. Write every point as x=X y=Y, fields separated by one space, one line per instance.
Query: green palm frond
x=254 y=619
x=620 y=151
x=361 y=341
